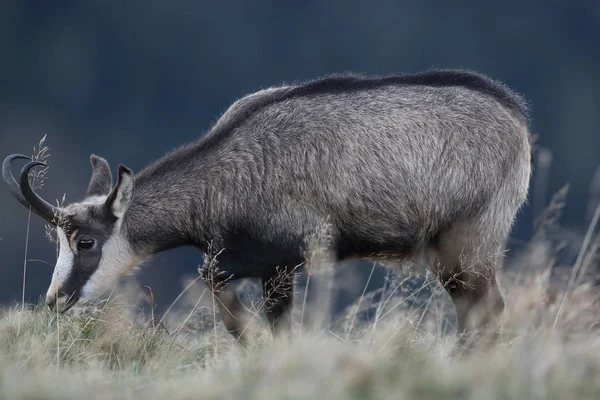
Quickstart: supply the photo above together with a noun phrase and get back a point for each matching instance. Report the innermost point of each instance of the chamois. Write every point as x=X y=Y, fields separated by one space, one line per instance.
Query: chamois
x=433 y=164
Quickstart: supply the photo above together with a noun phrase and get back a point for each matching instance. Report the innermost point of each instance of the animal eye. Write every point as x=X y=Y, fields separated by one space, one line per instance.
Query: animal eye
x=85 y=244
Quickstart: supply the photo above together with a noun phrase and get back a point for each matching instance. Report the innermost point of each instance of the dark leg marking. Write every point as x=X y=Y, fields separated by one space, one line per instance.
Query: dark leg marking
x=478 y=302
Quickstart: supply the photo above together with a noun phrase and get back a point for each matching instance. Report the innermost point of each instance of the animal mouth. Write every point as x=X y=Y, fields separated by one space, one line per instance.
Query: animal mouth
x=70 y=303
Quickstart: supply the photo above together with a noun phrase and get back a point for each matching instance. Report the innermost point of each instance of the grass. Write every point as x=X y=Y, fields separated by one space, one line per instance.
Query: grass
x=118 y=351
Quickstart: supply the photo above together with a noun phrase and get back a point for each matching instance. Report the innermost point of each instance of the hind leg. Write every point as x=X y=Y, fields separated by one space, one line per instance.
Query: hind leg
x=477 y=300
x=465 y=261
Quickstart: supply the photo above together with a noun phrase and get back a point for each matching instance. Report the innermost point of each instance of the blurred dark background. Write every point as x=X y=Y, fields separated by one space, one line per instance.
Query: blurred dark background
x=130 y=80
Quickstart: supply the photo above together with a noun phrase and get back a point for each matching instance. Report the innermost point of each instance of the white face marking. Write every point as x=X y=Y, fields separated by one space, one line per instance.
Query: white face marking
x=116 y=261
x=117 y=257
x=64 y=264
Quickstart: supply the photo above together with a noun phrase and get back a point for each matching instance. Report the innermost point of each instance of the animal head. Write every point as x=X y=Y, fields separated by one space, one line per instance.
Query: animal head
x=93 y=248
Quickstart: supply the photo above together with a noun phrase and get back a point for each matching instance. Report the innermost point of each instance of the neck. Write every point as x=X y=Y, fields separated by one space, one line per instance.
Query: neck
x=167 y=210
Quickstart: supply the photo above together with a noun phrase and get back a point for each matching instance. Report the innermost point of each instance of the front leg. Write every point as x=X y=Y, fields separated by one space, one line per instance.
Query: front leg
x=278 y=296
x=231 y=309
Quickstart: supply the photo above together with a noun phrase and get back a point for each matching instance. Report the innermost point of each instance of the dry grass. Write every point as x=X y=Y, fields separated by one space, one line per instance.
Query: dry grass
x=392 y=343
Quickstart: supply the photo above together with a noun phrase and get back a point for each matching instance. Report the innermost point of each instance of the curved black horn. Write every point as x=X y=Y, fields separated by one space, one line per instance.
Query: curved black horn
x=44 y=209
x=13 y=186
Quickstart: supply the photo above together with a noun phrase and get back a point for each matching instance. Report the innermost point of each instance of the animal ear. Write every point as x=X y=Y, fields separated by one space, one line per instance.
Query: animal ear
x=101 y=180
x=120 y=197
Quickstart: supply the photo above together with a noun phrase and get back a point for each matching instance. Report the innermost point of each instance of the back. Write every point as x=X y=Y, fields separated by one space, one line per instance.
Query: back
x=395 y=157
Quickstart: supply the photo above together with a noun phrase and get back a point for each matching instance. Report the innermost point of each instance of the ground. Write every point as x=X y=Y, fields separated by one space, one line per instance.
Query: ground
x=392 y=343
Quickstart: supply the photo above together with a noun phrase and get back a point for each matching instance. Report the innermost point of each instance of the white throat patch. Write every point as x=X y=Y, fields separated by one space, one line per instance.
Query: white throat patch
x=64 y=264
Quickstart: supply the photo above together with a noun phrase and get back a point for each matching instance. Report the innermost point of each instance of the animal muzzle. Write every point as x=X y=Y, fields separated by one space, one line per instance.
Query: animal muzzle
x=60 y=301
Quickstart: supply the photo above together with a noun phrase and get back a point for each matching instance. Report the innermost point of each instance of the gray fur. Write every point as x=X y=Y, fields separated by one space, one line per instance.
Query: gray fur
x=434 y=164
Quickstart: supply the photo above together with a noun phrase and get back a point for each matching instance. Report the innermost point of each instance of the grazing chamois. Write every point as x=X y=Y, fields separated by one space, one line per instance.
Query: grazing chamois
x=433 y=164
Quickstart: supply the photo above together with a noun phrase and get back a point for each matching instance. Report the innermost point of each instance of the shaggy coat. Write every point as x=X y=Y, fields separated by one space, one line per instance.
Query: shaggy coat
x=435 y=164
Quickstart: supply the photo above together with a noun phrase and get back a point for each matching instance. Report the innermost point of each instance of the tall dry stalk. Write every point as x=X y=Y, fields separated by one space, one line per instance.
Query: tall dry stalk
x=180 y=327
x=37 y=178
x=281 y=284
x=360 y=300
x=319 y=261
x=542 y=175
x=594 y=195
x=209 y=270
x=578 y=263
x=179 y=296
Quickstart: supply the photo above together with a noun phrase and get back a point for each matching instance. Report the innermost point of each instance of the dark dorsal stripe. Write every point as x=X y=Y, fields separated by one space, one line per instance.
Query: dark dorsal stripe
x=435 y=78
x=341 y=83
